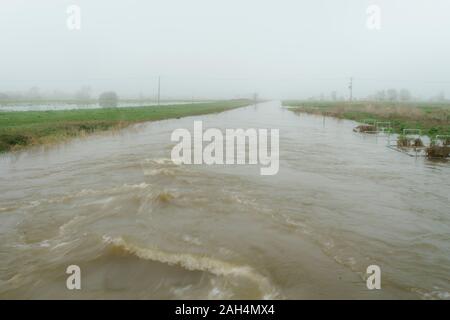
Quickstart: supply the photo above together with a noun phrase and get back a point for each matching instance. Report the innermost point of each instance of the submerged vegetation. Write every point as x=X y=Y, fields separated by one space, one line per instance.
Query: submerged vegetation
x=431 y=118
x=434 y=151
x=439 y=148
x=366 y=128
x=404 y=141
x=20 y=129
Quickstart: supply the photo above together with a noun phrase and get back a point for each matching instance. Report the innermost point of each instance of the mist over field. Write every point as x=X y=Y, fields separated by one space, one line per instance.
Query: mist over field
x=225 y=49
x=239 y=150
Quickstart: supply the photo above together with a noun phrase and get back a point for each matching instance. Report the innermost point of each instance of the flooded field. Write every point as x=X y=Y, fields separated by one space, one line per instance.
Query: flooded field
x=75 y=106
x=141 y=227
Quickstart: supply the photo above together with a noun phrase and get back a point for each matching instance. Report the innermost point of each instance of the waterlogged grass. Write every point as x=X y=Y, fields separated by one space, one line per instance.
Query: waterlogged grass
x=431 y=118
x=20 y=129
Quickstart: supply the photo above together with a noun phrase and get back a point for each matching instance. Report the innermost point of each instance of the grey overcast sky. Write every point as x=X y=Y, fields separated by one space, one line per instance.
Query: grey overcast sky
x=226 y=48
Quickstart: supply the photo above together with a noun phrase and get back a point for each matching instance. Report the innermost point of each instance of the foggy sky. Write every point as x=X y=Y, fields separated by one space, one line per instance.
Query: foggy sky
x=227 y=48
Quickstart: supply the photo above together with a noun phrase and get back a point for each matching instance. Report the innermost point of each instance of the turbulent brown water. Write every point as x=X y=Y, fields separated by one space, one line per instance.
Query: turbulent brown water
x=141 y=227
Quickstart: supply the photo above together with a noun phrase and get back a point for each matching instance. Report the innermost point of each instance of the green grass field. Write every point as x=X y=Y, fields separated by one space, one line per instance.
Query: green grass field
x=25 y=128
x=431 y=118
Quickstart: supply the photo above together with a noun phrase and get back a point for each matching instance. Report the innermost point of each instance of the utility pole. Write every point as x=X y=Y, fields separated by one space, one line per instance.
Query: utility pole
x=255 y=98
x=159 y=89
x=350 y=87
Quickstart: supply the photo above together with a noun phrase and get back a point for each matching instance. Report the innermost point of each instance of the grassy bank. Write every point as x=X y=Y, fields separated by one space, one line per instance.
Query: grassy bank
x=21 y=129
x=431 y=118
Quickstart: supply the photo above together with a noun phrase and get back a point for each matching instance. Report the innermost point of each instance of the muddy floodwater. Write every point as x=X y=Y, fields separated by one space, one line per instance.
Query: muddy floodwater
x=141 y=227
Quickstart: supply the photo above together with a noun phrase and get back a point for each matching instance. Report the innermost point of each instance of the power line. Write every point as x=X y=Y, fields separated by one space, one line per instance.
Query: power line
x=159 y=89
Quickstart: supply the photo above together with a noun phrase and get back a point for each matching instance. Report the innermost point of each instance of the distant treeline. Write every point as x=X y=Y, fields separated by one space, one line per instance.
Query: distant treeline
x=385 y=95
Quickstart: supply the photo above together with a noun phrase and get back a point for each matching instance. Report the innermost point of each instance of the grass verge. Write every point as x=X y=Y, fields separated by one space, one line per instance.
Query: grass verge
x=432 y=118
x=27 y=128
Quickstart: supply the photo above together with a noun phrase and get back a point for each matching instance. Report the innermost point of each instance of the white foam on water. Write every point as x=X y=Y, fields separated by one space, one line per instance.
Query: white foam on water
x=193 y=262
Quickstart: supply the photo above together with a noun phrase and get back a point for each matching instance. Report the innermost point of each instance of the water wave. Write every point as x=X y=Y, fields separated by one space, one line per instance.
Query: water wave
x=75 y=195
x=193 y=262
x=160 y=161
